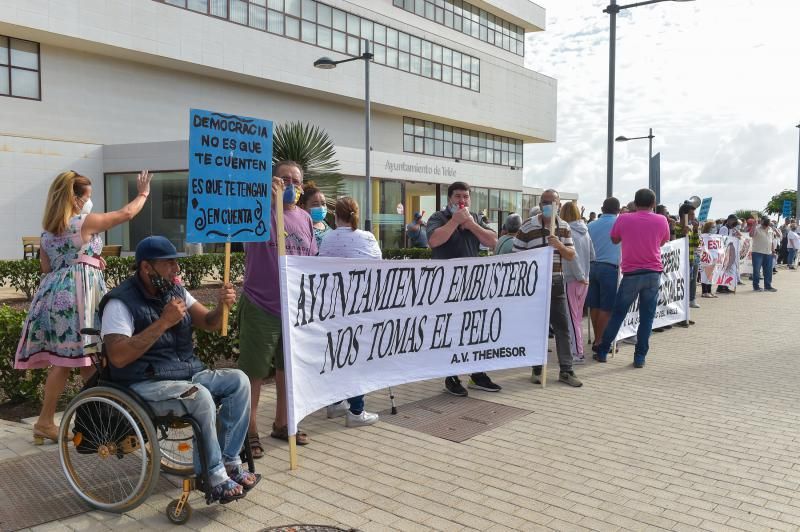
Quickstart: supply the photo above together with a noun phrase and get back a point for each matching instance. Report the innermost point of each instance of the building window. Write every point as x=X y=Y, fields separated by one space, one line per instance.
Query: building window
x=164 y=213
x=319 y=24
x=19 y=68
x=469 y=20
x=439 y=140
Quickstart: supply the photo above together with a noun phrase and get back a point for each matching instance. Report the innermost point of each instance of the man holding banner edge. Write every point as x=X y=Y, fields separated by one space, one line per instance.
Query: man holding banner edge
x=455 y=232
x=260 y=333
x=541 y=230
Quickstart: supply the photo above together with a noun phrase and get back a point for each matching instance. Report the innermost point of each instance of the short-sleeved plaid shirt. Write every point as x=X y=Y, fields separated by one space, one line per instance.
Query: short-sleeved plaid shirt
x=534 y=235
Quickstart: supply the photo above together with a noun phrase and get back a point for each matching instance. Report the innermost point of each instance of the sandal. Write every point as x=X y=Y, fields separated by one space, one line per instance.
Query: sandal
x=283 y=434
x=256 y=449
x=226 y=491
x=246 y=479
x=41 y=433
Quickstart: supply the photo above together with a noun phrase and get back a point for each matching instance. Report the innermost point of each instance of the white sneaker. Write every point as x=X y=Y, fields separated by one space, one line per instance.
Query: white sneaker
x=693 y=304
x=362 y=420
x=578 y=359
x=337 y=410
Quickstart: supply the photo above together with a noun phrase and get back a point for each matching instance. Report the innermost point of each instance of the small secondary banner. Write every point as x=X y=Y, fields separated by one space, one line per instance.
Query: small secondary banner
x=705 y=206
x=787 y=208
x=352 y=326
x=718 y=258
x=230 y=178
x=673 y=294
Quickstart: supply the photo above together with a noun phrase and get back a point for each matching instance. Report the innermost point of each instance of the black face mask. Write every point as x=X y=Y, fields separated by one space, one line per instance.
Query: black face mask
x=164 y=287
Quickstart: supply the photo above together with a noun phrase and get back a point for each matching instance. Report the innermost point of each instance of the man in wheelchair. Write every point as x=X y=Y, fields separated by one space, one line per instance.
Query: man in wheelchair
x=147 y=330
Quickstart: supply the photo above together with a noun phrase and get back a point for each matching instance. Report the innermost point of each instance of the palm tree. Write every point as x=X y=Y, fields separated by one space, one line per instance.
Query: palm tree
x=311 y=147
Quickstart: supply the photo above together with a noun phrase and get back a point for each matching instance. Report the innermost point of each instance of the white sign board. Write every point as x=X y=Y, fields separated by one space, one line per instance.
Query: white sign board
x=673 y=297
x=352 y=326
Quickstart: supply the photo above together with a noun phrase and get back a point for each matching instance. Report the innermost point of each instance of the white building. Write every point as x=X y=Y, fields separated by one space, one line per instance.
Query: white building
x=104 y=87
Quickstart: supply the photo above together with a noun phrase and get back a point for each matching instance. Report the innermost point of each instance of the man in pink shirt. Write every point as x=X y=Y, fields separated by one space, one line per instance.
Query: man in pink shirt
x=641 y=233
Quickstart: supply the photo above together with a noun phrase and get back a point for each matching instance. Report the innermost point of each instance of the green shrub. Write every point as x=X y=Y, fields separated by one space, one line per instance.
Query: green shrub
x=237 y=267
x=210 y=346
x=22 y=275
x=16 y=385
x=118 y=269
x=407 y=253
x=195 y=268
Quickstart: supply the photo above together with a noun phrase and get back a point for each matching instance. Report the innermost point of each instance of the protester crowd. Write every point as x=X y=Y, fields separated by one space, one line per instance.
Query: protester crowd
x=147 y=321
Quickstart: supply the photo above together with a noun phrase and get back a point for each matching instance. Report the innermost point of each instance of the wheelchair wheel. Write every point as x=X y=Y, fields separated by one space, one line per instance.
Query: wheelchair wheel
x=104 y=450
x=177 y=448
x=178 y=518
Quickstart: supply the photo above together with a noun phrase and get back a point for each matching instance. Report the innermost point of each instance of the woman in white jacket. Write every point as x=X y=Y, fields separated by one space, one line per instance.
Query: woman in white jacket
x=576 y=275
x=348 y=241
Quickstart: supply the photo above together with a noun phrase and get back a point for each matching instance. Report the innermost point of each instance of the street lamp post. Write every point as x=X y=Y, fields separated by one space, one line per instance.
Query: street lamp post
x=327 y=63
x=612 y=11
x=797 y=193
x=650 y=138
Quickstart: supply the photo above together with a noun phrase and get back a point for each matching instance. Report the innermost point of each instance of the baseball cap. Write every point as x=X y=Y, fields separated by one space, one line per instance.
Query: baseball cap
x=155 y=248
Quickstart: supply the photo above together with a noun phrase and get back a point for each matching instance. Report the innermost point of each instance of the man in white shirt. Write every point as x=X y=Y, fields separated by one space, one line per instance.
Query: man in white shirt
x=792 y=245
x=763 y=247
x=147 y=330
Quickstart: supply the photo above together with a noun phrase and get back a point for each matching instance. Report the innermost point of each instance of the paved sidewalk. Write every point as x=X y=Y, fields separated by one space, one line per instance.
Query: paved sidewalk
x=705 y=437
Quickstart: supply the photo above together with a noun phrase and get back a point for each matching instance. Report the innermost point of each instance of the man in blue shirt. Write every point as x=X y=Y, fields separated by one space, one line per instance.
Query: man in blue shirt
x=604 y=270
x=417 y=234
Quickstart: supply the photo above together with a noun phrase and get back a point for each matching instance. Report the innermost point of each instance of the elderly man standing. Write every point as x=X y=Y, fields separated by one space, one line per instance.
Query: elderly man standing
x=535 y=233
x=642 y=234
x=505 y=244
x=455 y=232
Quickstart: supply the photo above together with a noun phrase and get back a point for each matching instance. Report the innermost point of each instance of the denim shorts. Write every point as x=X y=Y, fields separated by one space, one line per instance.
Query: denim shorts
x=602 y=286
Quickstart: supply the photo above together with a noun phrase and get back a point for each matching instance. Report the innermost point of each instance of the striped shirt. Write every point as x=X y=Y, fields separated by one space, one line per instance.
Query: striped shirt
x=533 y=235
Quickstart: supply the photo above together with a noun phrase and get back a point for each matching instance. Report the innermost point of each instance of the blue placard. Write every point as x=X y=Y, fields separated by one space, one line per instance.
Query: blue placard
x=704 y=208
x=787 y=208
x=230 y=178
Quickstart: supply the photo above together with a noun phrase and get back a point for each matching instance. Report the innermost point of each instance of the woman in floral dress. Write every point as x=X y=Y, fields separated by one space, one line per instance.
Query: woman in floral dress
x=70 y=291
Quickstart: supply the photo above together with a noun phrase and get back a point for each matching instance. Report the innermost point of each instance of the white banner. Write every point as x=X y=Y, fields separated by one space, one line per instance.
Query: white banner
x=673 y=298
x=745 y=255
x=718 y=260
x=352 y=326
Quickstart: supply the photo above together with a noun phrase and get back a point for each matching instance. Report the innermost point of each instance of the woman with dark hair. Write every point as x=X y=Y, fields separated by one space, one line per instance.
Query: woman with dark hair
x=70 y=291
x=348 y=241
x=312 y=200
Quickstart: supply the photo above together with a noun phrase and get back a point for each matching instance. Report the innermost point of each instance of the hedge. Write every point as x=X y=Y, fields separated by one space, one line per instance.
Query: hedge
x=16 y=385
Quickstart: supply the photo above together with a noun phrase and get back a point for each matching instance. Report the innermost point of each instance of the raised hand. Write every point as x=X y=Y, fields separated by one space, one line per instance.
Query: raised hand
x=143 y=182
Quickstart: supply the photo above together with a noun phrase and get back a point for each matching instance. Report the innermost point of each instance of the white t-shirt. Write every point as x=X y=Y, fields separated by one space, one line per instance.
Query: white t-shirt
x=793 y=240
x=344 y=242
x=117 y=319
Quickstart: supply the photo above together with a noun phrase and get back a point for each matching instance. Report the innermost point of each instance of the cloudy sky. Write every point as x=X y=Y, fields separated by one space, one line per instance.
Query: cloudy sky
x=717 y=80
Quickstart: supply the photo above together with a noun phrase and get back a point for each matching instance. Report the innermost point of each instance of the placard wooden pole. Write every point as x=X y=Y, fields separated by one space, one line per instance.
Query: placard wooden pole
x=226 y=278
x=279 y=227
x=546 y=356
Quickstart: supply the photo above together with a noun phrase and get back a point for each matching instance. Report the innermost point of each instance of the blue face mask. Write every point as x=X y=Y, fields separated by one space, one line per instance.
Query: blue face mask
x=289 y=195
x=318 y=214
x=547 y=211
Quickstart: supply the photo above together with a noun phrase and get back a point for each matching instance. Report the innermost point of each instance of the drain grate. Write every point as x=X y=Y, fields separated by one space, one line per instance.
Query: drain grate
x=453 y=418
x=34 y=490
x=308 y=528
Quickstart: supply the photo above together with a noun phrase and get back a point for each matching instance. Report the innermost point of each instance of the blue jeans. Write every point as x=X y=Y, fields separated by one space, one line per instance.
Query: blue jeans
x=762 y=261
x=791 y=253
x=356 y=404
x=645 y=286
x=223 y=433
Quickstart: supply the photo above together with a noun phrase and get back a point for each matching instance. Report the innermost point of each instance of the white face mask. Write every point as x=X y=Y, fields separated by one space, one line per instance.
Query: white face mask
x=87 y=207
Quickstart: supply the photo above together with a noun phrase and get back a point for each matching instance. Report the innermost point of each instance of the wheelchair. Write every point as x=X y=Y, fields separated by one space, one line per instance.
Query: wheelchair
x=112 y=447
